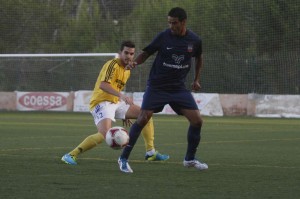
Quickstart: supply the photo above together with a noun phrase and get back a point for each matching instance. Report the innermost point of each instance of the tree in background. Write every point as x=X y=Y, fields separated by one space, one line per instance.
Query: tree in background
x=249 y=45
x=28 y=26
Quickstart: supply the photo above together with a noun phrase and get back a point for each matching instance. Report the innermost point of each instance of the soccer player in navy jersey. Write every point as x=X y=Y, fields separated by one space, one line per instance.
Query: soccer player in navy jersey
x=175 y=47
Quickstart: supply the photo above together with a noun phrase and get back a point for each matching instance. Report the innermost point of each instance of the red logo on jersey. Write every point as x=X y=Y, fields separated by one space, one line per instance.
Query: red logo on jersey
x=190 y=48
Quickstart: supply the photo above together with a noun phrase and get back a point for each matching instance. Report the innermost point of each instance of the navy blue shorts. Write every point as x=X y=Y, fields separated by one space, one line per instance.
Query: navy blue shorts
x=155 y=100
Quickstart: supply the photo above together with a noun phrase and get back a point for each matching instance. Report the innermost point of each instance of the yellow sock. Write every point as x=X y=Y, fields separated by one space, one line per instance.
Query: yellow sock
x=148 y=135
x=87 y=144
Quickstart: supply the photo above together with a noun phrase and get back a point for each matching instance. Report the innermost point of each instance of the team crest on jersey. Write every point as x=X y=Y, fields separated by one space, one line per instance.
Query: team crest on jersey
x=190 y=48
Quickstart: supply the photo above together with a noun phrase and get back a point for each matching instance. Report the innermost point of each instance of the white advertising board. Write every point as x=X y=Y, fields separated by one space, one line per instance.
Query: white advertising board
x=42 y=101
x=82 y=101
x=287 y=106
x=209 y=104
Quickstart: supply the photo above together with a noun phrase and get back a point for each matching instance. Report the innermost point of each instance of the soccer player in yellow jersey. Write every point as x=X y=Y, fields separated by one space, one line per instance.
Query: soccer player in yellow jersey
x=109 y=103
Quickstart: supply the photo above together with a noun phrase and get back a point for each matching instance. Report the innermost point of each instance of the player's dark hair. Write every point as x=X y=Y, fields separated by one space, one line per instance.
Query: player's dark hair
x=128 y=44
x=178 y=12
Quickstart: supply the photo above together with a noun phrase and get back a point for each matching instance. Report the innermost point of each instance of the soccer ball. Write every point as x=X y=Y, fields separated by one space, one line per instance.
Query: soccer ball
x=117 y=137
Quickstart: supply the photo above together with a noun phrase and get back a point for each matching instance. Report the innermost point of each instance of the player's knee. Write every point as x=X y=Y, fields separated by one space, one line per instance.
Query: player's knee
x=197 y=123
x=142 y=120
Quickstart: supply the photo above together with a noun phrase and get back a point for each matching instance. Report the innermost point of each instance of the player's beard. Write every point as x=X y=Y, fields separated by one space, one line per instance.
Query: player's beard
x=128 y=61
x=178 y=31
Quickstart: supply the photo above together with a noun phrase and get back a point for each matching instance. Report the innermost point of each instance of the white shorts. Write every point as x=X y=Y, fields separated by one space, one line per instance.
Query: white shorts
x=108 y=110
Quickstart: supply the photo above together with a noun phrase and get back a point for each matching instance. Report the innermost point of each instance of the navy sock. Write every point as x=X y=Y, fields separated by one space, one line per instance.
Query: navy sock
x=134 y=134
x=193 y=138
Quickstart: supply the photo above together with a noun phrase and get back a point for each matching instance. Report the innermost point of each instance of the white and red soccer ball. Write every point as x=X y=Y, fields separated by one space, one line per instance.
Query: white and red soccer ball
x=117 y=137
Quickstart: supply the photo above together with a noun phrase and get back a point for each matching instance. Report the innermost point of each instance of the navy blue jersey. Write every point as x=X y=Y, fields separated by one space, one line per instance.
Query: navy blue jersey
x=173 y=60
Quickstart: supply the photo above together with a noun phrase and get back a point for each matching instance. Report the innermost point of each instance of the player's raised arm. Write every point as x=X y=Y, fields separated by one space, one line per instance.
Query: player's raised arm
x=141 y=58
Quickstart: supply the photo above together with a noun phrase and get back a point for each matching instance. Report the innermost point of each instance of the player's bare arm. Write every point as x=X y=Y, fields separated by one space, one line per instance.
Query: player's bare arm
x=141 y=58
x=105 y=86
x=198 y=67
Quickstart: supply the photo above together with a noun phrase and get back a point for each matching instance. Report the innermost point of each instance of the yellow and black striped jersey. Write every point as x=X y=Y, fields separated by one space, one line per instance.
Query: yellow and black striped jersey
x=114 y=73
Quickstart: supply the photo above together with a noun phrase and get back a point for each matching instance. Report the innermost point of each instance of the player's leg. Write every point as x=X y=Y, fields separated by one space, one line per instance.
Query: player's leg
x=134 y=133
x=183 y=103
x=152 y=101
x=88 y=143
x=194 y=132
x=193 y=138
x=148 y=136
x=125 y=111
x=147 y=132
x=95 y=139
x=102 y=118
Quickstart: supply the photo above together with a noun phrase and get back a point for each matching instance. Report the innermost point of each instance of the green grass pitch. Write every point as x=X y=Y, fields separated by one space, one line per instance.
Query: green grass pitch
x=247 y=158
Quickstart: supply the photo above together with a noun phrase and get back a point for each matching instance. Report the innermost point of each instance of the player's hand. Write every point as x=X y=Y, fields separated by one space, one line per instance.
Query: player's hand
x=196 y=86
x=131 y=65
x=127 y=122
x=126 y=99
